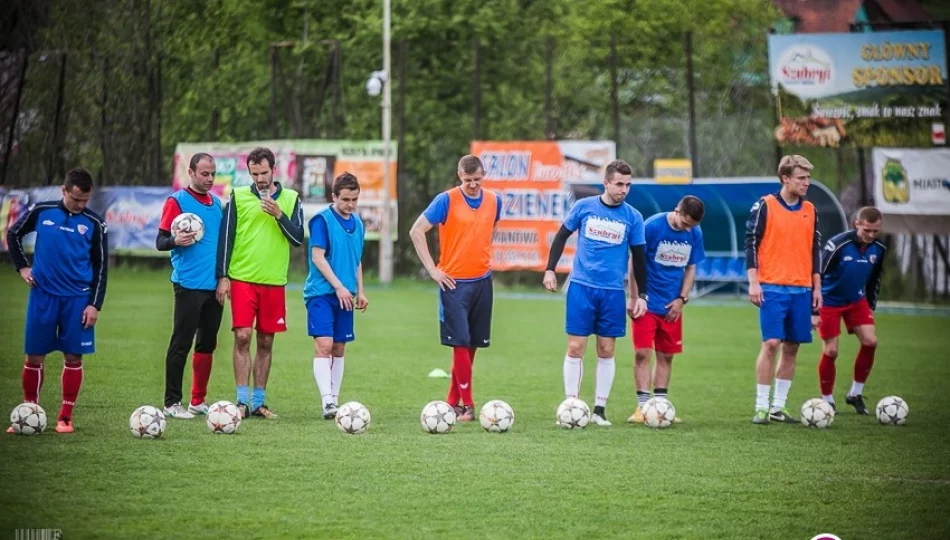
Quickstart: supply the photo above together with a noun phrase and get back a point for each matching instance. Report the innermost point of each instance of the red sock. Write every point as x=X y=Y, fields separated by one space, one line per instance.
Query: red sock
x=32 y=382
x=462 y=368
x=863 y=363
x=826 y=374
x=454 y=396
x=200 y=373
x=72 y=382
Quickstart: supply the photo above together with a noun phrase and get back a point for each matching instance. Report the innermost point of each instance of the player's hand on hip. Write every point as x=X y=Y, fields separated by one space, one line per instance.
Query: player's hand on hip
x=345 y=297
x=550 y=280
x=268 y=205
x=27 y=275
x=444 y=280
x=223 y=292
x=639 y=308
x=674 y=310
x=755 y=294
x=816 y=299
x=184 y=239
x=361 y=302
x=89 y=316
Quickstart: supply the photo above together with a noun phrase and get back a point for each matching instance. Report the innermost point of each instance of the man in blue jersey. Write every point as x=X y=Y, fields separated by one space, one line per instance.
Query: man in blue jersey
x=334 y=287
x=607 y=227
x=197 y=310
x=851 y=268
x=674 y=246
x=67 y=287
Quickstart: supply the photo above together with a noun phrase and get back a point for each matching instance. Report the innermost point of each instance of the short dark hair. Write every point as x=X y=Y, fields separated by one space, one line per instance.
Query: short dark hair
x=617 y=166
x=470 y=164
x=870 y=214
x=79 y=178
x=196 y=159
x=260 y=155
x=345 y=181
x=693 y=207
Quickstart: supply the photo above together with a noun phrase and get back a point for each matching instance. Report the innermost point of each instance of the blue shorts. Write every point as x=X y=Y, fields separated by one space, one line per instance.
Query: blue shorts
x=786 y=317
x=602 y=312
x=325 y=318
x=54 y=323
x=465 y=314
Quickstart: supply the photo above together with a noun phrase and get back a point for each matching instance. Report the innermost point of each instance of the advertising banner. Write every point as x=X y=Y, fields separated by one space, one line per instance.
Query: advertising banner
x=913 y=182
x=538 y=181
x=860 y=89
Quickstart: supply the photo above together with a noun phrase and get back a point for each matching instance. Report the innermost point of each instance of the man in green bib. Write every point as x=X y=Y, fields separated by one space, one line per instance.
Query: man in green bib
x=262 y=221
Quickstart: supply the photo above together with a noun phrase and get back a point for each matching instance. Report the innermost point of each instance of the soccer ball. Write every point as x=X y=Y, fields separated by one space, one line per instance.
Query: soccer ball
x=188 y=222
x=223 y=417
x=28 y=419
x=147 y=422
x=353 y=418
x=892 y=410
x=658 y=413
x=437 y=417
x=817 y=413
x=573 y=413
x=496 y=416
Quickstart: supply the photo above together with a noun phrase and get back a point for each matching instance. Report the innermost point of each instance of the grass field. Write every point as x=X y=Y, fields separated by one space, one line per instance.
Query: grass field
x=715 y=476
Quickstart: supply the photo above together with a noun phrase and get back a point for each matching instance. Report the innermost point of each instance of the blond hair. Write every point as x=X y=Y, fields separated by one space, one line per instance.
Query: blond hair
x=790 y=163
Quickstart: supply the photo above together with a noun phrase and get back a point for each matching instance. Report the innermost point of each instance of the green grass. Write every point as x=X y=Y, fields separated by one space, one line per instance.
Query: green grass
x=715 y=476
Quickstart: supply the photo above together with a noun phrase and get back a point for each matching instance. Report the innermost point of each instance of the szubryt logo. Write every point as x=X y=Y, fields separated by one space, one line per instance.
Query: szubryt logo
x=805 y=70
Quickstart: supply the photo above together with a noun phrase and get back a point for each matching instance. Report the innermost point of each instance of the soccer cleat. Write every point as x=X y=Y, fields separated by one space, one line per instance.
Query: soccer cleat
x=782 y=415
x=64 y=426
x=858 y=403
x=600 y=420
x=11 y=430
x=467 y=415
x=761 y=416
x=177 y=411
x=636 y=417
x=245 y=410
x=677 y=420
x=264 y=412
x=329 y=411
x=458 y=410
x=199 y=409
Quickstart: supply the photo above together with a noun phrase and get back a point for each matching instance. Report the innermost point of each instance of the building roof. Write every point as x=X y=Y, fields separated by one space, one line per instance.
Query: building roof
x=813 y=16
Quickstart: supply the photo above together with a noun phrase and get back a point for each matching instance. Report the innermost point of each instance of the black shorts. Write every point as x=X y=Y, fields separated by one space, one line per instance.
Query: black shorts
x=465 y=314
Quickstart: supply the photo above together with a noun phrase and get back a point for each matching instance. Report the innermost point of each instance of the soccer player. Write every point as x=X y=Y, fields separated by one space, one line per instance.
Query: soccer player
x=334 y=287
x=466 y=216
x=197 y=309
x=782 y=244
x=851 y=268
x=67 y=287
x=595 y=298
x=261 y=222
x=674 y=246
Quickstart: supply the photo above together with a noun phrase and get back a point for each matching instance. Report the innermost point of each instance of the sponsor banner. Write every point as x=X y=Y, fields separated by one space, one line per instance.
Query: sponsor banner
x=915 y=182
x=538 y=181
x=860 y=89
x=673 y=171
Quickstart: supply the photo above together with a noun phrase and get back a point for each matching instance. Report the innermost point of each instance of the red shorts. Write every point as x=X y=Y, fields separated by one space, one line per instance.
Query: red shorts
x=652 y=331
x=265 y=303
x=855 y=314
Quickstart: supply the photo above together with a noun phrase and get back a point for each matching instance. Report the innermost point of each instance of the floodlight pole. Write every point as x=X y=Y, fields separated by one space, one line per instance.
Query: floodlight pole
x=386 y=234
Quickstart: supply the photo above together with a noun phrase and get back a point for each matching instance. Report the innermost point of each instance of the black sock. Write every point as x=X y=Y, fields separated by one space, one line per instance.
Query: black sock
x=599 y=410
x=659 y=393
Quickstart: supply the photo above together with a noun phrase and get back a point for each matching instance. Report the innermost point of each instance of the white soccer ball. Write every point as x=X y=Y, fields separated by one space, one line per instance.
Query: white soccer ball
x=223 y=418
x=147 y=422
x=496 y=416
x=28 y=419
x=892 y=410
x=573 y=413
x=437 y=417
x=188 y=222
x=658 y=413
x=817 y=413
x=353 y=418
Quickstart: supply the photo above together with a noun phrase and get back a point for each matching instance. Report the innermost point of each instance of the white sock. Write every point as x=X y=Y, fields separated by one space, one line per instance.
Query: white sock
x=762 y=396
x=829 y=398
x=573 y=373
x=781 y=393
x=336 y=377
x=321 y=373
x=856 y=388
x=606 y=369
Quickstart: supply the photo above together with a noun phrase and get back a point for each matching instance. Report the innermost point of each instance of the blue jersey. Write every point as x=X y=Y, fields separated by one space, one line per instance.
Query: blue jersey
x=669 y=252
x=342 y=240
x=438 y=210
x=193 y=266
x=851 y=271
x=605 y=235
x=70 y=254
x=320 y=237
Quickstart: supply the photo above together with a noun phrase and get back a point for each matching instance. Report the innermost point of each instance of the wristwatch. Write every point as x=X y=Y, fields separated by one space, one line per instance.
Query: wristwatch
x=644 y=296
x=684 y=299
